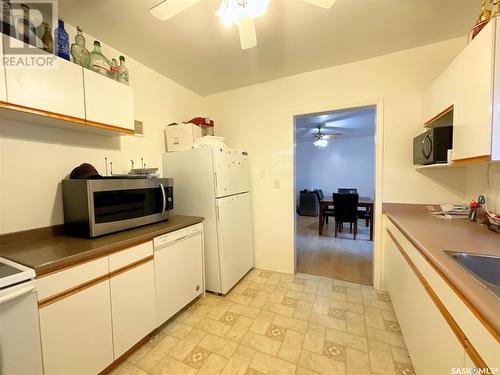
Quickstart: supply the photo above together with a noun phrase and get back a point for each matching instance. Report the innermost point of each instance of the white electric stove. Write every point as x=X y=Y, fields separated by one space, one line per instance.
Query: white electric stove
x=20 y=345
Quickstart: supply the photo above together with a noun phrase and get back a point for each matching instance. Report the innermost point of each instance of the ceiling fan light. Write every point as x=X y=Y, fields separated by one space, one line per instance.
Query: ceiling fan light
x=228 y=12
x=320 y=143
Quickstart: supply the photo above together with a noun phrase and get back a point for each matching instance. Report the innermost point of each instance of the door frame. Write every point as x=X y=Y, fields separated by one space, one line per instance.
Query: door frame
x=377 y=258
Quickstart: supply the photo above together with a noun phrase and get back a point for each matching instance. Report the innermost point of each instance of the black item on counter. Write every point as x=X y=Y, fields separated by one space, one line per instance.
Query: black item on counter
x=84 y=171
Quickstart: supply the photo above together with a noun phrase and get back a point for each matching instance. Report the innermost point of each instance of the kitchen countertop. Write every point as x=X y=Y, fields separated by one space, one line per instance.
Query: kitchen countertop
x=49 y=249
x=431 y=236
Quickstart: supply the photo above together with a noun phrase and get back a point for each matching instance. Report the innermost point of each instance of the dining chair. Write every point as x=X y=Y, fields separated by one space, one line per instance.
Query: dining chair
x=346 y=211
x=347 y=191
x=365 y=215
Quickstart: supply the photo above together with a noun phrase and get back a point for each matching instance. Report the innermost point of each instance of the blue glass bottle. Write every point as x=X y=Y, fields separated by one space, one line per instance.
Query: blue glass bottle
x=61 y=41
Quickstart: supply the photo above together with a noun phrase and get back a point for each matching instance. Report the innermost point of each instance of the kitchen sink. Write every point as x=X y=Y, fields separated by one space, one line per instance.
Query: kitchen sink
x=485 y=268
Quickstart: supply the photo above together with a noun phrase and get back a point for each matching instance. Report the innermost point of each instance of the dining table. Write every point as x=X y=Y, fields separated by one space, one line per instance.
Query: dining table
x=327 y=201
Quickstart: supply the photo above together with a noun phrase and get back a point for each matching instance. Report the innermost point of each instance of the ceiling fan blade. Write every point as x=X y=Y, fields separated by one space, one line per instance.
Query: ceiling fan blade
x=169 y=8
x=321 y=3
x=246 y=29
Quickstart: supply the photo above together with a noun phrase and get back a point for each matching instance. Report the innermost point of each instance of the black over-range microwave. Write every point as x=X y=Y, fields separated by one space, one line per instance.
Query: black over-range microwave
x=100 y=206
x=432 y=146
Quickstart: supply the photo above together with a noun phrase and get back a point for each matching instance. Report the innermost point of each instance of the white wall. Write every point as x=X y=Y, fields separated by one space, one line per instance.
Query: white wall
x=344 y=162
x=259 y=118
x=34 y=159
x=484 y=180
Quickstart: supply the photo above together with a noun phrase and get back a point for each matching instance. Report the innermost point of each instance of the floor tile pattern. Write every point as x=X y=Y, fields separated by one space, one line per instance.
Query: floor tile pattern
x=273 y=323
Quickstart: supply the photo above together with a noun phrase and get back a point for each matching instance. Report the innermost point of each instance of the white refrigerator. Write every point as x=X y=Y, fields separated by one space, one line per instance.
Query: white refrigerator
x=214 y=183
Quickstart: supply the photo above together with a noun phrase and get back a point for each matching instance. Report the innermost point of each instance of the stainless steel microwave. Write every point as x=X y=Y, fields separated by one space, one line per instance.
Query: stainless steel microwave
x=432 y=146
x=100 y=206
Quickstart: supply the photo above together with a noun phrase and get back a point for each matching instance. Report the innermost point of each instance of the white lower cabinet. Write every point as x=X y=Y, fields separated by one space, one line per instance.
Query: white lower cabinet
x=77 y=332
x=133 y=306
x=178 y=270
x=93 y=313
x=433 y=347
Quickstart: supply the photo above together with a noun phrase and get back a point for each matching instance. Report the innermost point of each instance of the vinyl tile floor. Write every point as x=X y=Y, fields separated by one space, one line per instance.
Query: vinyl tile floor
x=274 y=323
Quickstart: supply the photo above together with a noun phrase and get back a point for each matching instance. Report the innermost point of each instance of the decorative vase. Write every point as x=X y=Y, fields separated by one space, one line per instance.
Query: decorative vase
x=62 y=41
x=6 y=22
x=48 y=42
x=123 y=75
x=98 y=62
x=81 y=55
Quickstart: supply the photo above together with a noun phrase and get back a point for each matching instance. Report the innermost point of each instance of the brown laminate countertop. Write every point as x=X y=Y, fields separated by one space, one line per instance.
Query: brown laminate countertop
x=49 y=249
x=432 y=235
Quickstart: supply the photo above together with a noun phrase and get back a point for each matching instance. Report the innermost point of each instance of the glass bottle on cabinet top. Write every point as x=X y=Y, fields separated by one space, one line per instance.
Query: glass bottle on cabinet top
x=81 y=55
x=114 y=69
x=98 y=62
x=61 y=41
x=48 y=42
x=123 y=75
x=6 y=22
x=26 y=30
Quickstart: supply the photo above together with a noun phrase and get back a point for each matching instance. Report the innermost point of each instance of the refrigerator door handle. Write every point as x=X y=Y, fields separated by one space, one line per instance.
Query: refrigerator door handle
x=216 y=185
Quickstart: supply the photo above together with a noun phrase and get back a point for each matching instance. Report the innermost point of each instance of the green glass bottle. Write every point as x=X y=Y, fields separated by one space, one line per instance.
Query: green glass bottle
x=123 y=75
x=48 y=42
x=79 y=52
x=98 y=62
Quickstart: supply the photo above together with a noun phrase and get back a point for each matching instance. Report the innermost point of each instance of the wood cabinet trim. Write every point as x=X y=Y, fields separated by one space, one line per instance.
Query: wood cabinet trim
x=69 y=292
x=41 y=112
x=428 y=124
x=462 y=338
x=57 y=116
x=131 y=266
x=460 y=295
x=78 y=288
x=472 y=160
x=125 y=355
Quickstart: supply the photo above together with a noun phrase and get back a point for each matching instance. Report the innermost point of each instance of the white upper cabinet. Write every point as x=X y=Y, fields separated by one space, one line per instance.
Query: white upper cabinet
x=58 y=90
x=472 y=114
x=107 y=101
x=3 y=85
x=495 y=133
x=467 y=85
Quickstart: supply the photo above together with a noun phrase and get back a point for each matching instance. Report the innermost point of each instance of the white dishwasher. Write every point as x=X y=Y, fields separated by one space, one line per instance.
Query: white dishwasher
x=179 y=270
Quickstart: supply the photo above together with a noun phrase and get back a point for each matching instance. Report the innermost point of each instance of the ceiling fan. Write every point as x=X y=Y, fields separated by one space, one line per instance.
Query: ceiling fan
x=321 y=139
x=231 y=12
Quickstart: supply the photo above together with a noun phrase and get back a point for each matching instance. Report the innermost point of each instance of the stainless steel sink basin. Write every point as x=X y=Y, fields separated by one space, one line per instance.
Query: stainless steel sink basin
x=485 y=268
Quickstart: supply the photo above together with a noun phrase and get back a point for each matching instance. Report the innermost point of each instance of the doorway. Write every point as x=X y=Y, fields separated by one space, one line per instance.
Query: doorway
x=335 y=153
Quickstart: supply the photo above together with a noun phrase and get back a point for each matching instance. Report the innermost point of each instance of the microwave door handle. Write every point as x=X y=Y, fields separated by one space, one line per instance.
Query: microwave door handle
x=427 y=154
x=164 y=199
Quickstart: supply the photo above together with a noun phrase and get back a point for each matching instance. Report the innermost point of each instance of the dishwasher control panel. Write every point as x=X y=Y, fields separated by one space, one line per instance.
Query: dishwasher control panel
x=177 y=235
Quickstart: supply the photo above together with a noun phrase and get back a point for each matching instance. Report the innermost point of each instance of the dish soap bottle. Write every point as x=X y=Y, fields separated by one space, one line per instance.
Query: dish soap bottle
x=62 y=41
x=48 y=42
x=123 y=76
x=81 y=55
x=98 y=62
